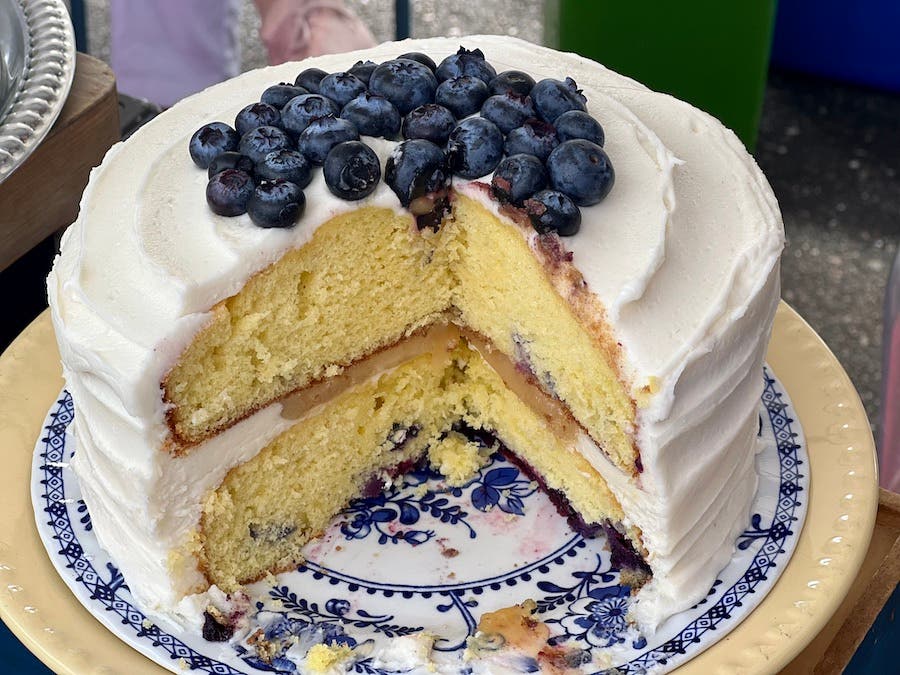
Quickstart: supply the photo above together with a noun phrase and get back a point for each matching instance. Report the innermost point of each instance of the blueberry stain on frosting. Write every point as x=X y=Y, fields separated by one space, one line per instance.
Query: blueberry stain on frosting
x=533 y=146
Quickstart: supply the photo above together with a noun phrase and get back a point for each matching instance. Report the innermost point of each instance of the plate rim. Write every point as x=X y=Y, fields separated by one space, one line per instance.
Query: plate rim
x=810 y=590
x=46 y=80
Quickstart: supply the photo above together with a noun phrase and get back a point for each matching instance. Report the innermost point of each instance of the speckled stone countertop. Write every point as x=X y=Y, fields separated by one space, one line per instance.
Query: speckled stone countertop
x=831 y=152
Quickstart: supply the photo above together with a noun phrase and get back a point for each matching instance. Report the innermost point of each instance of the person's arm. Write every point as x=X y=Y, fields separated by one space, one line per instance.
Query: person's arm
x=295 y=29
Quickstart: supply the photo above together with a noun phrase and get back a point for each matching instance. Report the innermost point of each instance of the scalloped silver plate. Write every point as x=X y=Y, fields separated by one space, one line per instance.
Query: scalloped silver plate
x=37 y=65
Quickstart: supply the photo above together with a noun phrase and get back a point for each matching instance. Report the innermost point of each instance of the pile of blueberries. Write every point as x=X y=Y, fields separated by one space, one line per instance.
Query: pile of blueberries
x=456 y=118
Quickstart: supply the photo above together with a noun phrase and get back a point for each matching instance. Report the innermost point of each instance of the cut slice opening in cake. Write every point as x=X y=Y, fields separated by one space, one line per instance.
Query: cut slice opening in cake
x=436 y=400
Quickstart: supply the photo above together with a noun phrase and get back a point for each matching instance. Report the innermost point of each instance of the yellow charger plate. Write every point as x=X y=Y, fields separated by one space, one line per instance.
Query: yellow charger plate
x=843 y=500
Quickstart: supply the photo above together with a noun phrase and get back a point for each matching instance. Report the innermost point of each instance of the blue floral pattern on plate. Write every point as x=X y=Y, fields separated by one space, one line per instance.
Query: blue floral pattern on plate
x=428 y=556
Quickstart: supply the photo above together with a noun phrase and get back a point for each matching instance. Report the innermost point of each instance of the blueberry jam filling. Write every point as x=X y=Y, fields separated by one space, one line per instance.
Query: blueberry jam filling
x=213 y=631
x=376 y=483
x=271 y=533
x=624 y=557
x=456 y=118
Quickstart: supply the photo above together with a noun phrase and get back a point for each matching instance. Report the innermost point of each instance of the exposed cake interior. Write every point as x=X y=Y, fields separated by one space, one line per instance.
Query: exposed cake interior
x=368 y=279
x=265 y=510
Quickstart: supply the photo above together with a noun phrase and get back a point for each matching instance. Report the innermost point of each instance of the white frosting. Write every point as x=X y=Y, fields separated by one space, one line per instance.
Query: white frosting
x=683 y=254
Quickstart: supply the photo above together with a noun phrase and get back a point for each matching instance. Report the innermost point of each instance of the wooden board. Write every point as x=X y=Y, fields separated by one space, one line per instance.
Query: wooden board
x=43 y=194
x=833 y=648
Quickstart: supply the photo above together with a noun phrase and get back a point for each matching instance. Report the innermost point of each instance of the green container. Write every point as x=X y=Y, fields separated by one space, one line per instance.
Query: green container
x=711 y=53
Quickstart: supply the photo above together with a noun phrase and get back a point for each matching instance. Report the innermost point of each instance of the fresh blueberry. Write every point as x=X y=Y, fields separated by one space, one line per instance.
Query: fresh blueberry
x=512 y=80
x=508 y=110
x=277 y=203
x=553 y=97
x=230 y=160
x=518 y=177
x=582 y=170
x=309 y=79
x=279 y=94
x=259 y=142
x=552 y=211
x=352 y=170
x=419 y=57
x=534 y=137
x=578 y=124
x=323 y=134
x=228 y=192
x=431 y=121
x=289 y=165
x=465 y=62
x=405 y=83
x=372 y=115
x=475 y=147
x=211 y=140
x=416 y=169
x=341 y=87
x=363 y=70
x=463 y=96
x=301 y=110
x=256 y=115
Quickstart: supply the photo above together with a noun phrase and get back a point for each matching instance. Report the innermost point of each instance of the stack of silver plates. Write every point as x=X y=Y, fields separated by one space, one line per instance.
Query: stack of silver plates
x=37 y=64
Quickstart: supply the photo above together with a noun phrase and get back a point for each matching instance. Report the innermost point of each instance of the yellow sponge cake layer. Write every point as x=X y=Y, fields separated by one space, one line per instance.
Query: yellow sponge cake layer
x=268 y=508
x=364 y=280
x=504 y=293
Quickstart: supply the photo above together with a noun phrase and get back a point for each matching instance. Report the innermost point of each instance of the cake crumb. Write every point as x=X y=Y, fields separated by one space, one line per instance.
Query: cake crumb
x=514 y=629
x=146 y=624
x=182 y=664
x=322 y=658
x=457 y=458
x=333 y=370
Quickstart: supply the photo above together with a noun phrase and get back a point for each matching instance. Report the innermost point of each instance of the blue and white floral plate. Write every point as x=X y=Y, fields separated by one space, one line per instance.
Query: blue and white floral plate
x=430 y=557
